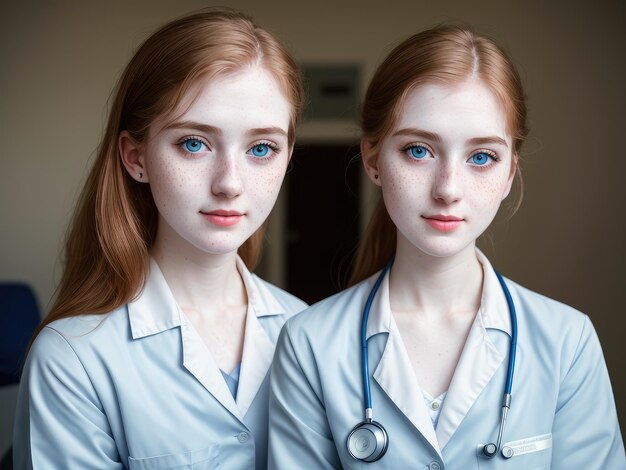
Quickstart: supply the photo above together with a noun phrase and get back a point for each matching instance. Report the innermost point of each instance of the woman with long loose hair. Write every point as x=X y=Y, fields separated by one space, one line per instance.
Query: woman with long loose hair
x=156 y=352
x=432 y=359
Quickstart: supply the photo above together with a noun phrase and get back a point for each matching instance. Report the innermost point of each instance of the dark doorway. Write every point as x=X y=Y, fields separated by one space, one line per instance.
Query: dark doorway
x=322 y=219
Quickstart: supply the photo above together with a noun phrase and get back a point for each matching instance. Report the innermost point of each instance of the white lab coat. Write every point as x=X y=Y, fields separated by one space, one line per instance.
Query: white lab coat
x=562 y=412
x=137 y=388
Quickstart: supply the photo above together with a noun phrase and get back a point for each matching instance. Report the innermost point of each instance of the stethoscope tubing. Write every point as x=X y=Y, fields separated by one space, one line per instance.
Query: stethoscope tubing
x=489 y=449
x=364 y=354
x=513 y=345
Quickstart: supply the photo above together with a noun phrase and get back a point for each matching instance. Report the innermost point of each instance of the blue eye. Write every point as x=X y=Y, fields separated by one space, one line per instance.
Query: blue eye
x=418 y=152
x=480 y=158
x=193 y=145
x=260 y=150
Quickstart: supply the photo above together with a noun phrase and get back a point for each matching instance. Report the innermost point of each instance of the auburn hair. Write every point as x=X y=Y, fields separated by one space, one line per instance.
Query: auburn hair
x=445 y=55
x=115 y=221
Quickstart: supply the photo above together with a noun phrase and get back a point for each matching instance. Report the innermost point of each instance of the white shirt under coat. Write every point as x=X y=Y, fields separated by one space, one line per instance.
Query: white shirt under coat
x=137 y=388
x=562 y=403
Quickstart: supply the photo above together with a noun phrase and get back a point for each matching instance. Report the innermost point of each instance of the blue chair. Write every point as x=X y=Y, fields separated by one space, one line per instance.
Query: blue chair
x=19 y=316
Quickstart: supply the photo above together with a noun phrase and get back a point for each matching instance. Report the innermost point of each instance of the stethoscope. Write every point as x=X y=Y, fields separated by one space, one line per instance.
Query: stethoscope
x=368 y=441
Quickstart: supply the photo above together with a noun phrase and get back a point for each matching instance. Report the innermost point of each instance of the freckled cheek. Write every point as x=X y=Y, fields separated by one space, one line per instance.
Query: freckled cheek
x=174 y=183
x=264 y=186
x=489 y=189
x=269 y=180
x=402 y=183
x=162 y=168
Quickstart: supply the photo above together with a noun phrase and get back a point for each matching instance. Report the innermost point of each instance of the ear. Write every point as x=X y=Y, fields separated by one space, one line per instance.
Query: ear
x=370 y=161
x=133 y=157
x=509 y=183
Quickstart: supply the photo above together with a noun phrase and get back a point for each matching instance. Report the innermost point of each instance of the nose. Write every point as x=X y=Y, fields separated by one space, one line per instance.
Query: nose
x=448 y=185
x=227 y=181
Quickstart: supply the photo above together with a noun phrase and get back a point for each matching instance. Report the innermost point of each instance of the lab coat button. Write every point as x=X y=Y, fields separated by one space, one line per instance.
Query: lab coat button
x=243 y=437
x=434 y=465
x=435 y=405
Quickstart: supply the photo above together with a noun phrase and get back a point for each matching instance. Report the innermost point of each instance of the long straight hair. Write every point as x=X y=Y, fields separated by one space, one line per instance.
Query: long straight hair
x=115 y=222
x=446 y=55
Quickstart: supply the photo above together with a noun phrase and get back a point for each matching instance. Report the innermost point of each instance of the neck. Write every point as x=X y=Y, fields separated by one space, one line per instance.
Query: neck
x=434 y=287
x=201 y=282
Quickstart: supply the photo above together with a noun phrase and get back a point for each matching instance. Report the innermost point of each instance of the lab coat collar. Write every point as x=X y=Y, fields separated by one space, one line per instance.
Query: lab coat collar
x=155 y=310
x=379 y=320
x=259 y=296
x=494 y=310
x=479 y=360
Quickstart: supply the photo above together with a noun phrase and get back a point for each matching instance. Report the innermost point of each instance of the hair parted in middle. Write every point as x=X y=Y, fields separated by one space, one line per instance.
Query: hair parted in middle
x=446 y=55
x=115 y=222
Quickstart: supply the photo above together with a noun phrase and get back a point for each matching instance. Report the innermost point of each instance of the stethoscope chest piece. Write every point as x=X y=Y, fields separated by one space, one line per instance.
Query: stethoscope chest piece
x=368 y=441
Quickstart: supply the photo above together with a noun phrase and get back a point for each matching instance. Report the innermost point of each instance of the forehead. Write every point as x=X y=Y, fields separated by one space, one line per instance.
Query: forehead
x=250 y=95
x=469 y=107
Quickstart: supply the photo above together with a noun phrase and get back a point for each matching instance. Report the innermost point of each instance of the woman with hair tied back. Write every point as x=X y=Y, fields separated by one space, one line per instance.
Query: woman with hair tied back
x=156 y=352
x=432 y=359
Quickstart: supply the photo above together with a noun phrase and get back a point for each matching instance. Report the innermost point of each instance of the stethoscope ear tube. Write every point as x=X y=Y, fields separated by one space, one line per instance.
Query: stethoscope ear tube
x=490 y=450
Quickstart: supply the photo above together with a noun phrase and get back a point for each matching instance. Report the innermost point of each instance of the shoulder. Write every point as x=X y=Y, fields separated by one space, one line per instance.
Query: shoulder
x=550 y=325
x=321 y=338
x=537 y=309
x=332 y=317
x=61 y=357
x=81 y=332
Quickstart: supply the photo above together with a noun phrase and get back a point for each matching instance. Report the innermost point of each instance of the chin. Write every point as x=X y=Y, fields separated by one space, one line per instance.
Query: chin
x=443 y=248
x=220 y=246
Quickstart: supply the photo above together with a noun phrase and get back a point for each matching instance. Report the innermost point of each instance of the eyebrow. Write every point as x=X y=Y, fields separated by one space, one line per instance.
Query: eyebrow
x=411 y=132
x=207 y=129
x=266 y=131
x=488 y=140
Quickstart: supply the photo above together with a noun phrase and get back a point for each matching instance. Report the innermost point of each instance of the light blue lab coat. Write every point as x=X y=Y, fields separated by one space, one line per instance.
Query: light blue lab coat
x=562 y=412
x=137 y=388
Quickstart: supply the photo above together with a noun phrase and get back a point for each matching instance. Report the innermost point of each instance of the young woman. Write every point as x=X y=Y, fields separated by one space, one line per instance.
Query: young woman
x=414 y=366
x=156 y=352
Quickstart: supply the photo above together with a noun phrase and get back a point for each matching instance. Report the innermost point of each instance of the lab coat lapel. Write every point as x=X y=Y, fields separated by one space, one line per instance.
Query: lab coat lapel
x=394 y=372
x=259 y=345
x=396 y=377
x=478 y=363
x=258 y=351
x=482 y=355
x=198 y=361
x=156 y=310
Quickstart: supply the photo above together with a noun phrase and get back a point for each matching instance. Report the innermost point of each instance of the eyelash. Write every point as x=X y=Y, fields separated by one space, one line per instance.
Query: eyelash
x=275 y=150
x=272 y=146
x=181 y=144
x=407 y=148
x=494 y=157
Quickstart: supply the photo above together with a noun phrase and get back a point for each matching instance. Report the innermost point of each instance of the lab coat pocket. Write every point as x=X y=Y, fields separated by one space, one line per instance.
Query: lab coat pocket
x=532 y=453
x=203 y=459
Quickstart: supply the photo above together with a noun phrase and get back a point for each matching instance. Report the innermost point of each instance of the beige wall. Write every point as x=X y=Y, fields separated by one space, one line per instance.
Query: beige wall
x=61 y=58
